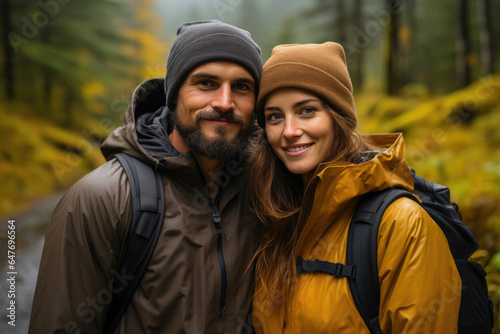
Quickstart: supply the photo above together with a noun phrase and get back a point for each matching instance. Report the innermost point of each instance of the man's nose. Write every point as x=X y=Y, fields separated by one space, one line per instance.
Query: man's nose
x=223 y=99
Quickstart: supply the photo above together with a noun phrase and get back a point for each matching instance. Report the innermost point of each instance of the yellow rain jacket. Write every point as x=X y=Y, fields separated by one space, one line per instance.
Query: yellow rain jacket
x=420 y=288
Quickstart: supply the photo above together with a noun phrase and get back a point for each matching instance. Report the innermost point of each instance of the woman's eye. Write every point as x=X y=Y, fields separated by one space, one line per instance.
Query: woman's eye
x=274 y=117
x=307 y=111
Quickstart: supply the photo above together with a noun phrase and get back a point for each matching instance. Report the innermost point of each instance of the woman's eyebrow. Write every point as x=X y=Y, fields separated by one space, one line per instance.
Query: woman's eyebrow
x=272 y=109
x=295 y=105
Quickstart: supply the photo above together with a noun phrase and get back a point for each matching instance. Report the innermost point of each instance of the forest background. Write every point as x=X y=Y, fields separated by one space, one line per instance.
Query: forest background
x=427 y=68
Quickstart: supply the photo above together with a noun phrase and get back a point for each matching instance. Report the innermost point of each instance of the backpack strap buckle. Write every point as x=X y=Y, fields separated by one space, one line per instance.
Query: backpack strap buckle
x=335 y=269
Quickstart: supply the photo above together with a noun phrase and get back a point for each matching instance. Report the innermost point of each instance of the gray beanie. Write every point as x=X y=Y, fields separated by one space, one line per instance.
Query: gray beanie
x=203 y=41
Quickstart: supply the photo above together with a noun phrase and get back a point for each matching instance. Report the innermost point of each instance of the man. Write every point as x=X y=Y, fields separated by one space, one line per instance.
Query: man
x=192 y=127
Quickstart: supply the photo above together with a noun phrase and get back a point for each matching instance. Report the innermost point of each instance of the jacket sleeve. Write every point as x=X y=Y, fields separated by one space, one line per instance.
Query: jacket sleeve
x=82 y=245
x=420 y=288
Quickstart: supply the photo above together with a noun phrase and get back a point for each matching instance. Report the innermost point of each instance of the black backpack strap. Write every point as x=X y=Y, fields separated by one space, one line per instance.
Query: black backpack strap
x=362 y=252
x=148 y=209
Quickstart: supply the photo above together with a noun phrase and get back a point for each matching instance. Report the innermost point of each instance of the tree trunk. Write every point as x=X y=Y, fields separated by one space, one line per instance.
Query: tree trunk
x=8 y=51
x=393 y=52
x=485 y=35
x=341 y=21
x=406 y=37
x=463 y=71
x=358 y=74
x=68 y=105
x=47 y=79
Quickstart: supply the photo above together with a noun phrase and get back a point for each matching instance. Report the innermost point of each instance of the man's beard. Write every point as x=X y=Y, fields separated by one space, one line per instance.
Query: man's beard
x=219 y=148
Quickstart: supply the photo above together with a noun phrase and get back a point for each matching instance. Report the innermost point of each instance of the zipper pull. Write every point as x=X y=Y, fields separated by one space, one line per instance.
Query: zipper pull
x=222 y=312
x=215 y=215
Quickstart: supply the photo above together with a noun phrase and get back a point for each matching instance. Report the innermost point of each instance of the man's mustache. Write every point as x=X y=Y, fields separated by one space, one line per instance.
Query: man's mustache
x=215 y=115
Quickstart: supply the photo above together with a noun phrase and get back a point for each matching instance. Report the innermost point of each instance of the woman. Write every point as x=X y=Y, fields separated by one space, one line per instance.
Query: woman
x=308 y=170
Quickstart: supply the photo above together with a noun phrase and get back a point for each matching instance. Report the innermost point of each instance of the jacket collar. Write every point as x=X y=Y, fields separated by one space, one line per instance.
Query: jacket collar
x=335 y=184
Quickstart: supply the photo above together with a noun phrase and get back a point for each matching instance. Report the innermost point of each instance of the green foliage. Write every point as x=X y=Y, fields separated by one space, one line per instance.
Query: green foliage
x=62 y=48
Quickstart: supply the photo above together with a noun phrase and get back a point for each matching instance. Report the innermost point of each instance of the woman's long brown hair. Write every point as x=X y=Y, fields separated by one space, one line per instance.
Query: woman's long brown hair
x=276 y=198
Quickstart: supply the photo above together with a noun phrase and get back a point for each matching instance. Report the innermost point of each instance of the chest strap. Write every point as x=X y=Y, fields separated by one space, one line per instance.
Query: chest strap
x=335 y=269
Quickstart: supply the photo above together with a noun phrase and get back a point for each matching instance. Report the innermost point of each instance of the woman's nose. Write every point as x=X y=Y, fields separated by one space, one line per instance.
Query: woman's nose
x=292 y=128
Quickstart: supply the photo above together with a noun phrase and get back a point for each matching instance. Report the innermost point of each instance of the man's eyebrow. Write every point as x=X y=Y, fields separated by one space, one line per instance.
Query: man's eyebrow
x=246 y=80
x=213 y=76
x=204 y=75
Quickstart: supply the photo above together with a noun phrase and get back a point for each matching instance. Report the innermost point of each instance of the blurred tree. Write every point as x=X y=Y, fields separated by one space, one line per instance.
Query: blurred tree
x=250 y=16
x=463 y=68
x=358 y=73
x=144 y=29
x=486 y=36
x=328 y=19
x=286 y=32
x=7 y=51
x=48 y=79
x=61 y=47
x=434 y=45
x=393 y=47
x=342 y=22
x=406 y=38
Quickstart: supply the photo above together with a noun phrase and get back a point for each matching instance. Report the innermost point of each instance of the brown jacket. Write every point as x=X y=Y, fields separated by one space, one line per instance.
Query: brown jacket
x=420 y=288
x=184 y=289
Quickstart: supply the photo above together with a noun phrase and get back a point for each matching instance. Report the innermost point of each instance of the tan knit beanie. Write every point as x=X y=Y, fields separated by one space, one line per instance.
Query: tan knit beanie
x=318 y=68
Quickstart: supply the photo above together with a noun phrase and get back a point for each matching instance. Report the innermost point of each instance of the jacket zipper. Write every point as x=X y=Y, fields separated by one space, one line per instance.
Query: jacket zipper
x=222 y=263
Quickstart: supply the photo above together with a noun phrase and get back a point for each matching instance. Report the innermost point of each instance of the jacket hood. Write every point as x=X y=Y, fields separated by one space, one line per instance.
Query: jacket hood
x=335 y=184
x=146 y=126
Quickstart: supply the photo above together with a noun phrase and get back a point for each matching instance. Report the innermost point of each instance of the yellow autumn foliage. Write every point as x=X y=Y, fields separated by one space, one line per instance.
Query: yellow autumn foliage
x=148 y=47
x=150 y=51
x=38 y=158
x=451 y=139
